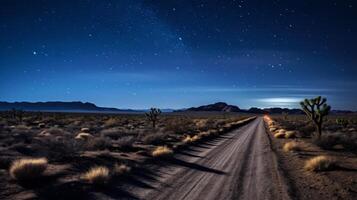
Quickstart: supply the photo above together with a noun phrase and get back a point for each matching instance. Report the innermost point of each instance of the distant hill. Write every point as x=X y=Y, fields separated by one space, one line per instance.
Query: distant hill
x=219 y=106
x=57 y=106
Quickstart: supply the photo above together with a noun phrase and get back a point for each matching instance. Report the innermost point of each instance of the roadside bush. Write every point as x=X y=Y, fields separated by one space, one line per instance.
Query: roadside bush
x=280 y=134
x=162 y=152
x=272 y=129
x=98 y=176
x=320 y=163
x=189 y=139
x=28 y=168
x=290 y=134
x=292 y=146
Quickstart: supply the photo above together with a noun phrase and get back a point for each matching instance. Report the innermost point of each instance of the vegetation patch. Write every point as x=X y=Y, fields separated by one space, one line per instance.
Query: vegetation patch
x=292 y=146
x=28 y=168
x=320 y=163
x=97 y=176
x=121 y=169
x=162 y=152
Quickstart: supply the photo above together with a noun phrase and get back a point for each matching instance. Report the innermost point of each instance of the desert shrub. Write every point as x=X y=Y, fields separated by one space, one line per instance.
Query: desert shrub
x=349 y=141
x=320 y=163
x=126 y=142
x=121 y=169
x=290 y=134
x=292 y=146
x=84 y=136
x=28 y=168
x=205 y=124
x=54 y=131
x=85 y=130
x=342 y=122
x=112 y=122
x=98 y=143
x=187 y=139
x=58 y=149
x=23 y=135
x=307 y=130
x=98 y=176
x=327 y=141
x=162 y=152
x=272 y=129
x=180 y=126
x=112 y=133
x=116 y=133
x=280 y=133
x=154 y=138
x=195 y=138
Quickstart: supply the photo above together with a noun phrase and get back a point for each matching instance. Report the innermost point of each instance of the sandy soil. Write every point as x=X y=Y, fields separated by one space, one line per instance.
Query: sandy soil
x=338 y=183
x=237 y=165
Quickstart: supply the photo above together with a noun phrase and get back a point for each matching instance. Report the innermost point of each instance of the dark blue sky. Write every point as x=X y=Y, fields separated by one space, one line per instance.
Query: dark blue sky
x=138 y=54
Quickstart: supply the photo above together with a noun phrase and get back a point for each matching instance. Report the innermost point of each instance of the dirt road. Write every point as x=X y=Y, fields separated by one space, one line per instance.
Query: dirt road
x=237 y=165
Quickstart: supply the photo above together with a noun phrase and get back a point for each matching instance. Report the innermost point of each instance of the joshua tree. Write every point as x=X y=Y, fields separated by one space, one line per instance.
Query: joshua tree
x=153 y=115
x=316 y=109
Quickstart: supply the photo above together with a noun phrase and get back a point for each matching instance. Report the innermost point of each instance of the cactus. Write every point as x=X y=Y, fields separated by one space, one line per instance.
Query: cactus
x=153 y=116
x=342 y=122
x=316 y=109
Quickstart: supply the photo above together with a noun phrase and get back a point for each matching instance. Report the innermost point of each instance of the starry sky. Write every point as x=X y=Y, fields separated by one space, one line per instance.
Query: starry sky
x=176 y=54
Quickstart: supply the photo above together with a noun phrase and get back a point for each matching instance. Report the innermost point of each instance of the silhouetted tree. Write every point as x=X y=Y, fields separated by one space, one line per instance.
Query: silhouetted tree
x=316 y=109
x=153 y=116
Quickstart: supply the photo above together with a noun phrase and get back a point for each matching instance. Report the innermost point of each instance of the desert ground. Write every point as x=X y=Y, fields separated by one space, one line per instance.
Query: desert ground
x=196 y=155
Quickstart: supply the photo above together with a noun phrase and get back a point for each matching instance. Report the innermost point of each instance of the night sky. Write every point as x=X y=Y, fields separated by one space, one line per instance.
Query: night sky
x=175 y=54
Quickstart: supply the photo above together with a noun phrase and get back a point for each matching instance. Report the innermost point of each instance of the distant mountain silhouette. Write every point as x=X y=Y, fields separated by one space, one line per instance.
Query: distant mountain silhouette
x=219 y=106
x=224 y=107
x=56 y=106
x=77 y=106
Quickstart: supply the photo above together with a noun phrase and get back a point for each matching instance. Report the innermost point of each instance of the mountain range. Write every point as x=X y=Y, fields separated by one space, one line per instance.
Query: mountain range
x=77 y=106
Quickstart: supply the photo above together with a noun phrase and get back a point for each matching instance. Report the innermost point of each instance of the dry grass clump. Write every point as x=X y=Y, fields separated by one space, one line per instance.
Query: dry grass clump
x=189 y=139
x=205 y=134
x=320 y=163
x=84 y=136
x=280 y=133
x=162 y=151
x=85 y=130
x=28 y=168
x=272 y=129
x=290 y=134
x=121 y=169
x=97 y=175
x=292 y=146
